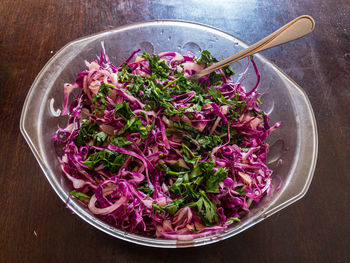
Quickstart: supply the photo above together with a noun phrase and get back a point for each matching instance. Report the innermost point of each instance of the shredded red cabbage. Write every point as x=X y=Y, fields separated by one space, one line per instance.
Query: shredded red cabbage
x=153 y=153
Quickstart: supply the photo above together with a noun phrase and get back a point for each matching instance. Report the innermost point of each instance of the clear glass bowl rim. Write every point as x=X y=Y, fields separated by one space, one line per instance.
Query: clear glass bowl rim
x=154 y=242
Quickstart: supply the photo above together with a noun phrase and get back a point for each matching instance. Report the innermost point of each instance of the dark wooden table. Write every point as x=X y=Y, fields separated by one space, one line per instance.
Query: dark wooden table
x=35 y=226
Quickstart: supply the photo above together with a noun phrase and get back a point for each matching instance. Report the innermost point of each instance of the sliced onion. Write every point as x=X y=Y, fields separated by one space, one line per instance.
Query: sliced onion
x=106 y=210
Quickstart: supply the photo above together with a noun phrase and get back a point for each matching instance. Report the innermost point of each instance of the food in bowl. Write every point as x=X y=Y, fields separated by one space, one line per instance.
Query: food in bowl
x=156 y=154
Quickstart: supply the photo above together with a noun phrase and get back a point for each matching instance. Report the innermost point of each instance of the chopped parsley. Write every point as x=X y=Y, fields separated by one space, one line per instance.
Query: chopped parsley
x=110 y=160
x=78 y=194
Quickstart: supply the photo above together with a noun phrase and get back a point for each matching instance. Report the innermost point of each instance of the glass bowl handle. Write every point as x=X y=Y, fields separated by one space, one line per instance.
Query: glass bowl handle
x=300 y=176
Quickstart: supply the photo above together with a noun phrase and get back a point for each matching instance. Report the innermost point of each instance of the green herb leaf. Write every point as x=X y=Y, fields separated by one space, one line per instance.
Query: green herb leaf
x=174 y=206
x=123 y=110
x=120 y=141
x=215 y=78
x=212 y=183
x=156 y=206
x=235 y=219
x=176 y=187
x=159 y=67
x=145 y=189
x=100 y=138
x=86 y=131
x=103 y=90
x=239 y=189
x=111 y=161
x=207 y=143
x=228 y=71
x=207 y=58
x=207 y=209
x=133 y=124
x=78 y=194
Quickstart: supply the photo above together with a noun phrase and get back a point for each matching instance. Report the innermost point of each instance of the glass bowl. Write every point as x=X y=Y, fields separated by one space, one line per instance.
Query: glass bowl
x=293 y=146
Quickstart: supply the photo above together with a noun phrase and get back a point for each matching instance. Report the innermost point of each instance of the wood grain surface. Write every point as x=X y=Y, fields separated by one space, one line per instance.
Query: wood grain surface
x=35 y=226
